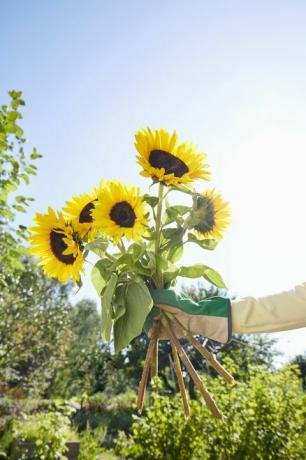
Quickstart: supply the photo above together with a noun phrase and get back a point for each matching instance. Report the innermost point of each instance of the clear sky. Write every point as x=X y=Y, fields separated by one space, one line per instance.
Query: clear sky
x=230 y=76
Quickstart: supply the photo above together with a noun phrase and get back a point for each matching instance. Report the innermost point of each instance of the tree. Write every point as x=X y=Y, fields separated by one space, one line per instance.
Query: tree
x=88 y=358
x=34 y=332
x=15 y=167
x=300 y=361
x=33 y=308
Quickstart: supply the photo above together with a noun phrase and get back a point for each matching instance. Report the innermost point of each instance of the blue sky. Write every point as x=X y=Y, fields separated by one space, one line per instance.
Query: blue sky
x=230 y=76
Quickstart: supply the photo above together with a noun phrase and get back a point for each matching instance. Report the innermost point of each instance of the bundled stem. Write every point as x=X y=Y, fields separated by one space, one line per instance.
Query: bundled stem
x=192 y=372
x=154 y=364
x=180 y=379
x=204 y=352
x=146 y=367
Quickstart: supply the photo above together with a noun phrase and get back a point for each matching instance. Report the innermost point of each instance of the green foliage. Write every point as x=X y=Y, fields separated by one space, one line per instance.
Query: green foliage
x=16 y=167
x=49 y=432
x=138 y=304
x=106 y=413
x=198 y=270
x=90 y=446
x=88 y=361
x=264 y=419
x=34 y=338
x=209 y=244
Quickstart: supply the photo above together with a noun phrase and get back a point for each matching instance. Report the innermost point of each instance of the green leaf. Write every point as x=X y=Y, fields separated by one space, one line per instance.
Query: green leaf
x=119 y=303
x=209 y=244
x=98 y=276
x=35 y=154
x=19 y=131
x=138 y=305
x=214 y=277
x=125 y=259
x=176 y=253
x=25 y=178
x=11 y=128
x=170 y=274
x=174 y=235
x=13 y=115
x=176 y=213
x=19 y=208
x=20 y=199
x=198 y=270
x=107 y=309
x=151 y=200
x=137 y=251
x=98 y=246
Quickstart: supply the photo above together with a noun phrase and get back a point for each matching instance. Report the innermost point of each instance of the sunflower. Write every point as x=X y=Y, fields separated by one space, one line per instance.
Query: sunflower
x=163 y=159
x=120 y=211
x=212 y=213
x=56 y=243
x=78 y=211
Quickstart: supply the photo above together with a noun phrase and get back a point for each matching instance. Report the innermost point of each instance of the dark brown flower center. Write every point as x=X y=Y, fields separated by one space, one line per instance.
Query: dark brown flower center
x=123 y=214
x=205 y=208
x=58 y=246
x=85 y=215
x=171 y=164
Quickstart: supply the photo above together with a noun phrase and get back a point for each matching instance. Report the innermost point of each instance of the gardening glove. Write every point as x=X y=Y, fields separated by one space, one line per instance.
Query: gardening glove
x=210 y=317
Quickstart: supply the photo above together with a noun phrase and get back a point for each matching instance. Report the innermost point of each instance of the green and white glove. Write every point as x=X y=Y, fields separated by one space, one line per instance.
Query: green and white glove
x=210 y=317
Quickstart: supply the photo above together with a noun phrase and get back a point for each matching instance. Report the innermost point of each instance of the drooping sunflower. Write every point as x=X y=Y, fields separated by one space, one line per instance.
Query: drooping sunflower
x=167 y=161
x=212 y=213
x=57 y=244
x=78 y=211
x=120 y=211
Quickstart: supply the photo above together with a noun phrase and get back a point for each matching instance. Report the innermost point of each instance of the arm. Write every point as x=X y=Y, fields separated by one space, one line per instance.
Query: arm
x=277 y=312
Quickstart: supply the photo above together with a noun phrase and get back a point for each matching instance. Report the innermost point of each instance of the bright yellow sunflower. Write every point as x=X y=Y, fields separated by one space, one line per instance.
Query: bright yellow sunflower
x=120 y=211
x=213 y=215
x=163 y=159
x=56 y=243
x=78 y=211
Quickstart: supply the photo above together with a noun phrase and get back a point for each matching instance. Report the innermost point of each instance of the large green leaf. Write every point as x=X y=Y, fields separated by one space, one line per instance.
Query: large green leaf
x=98 y=246
x=214 y=277
x=138 y=303
x=100 y=274
x=209 y=244
x=107 y=308
x=175 y=235
x=137 y=250
x=198 y=270
x=176 y=253
x=97 y=279
x=119 y=302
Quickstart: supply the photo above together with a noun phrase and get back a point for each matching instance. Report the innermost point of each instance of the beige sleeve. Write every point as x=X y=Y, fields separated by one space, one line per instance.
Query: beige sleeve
x=277 y=312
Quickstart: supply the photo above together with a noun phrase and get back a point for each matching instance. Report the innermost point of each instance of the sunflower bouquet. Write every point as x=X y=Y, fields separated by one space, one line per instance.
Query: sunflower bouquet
x=139 y=240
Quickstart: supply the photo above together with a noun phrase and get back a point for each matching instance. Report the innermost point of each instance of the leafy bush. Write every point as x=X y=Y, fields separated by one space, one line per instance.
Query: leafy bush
x=264 y=419
x=49 y=432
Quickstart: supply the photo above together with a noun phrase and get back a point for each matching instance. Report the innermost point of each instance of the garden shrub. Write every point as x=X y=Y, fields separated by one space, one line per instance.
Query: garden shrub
x=48 y=431
x=264 y=419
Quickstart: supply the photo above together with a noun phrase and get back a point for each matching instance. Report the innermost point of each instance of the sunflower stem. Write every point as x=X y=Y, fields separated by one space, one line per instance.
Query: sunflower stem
x=121 y=246
x=191 y=370
x=180 y=379
x=159 y=280
x=203 y=351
